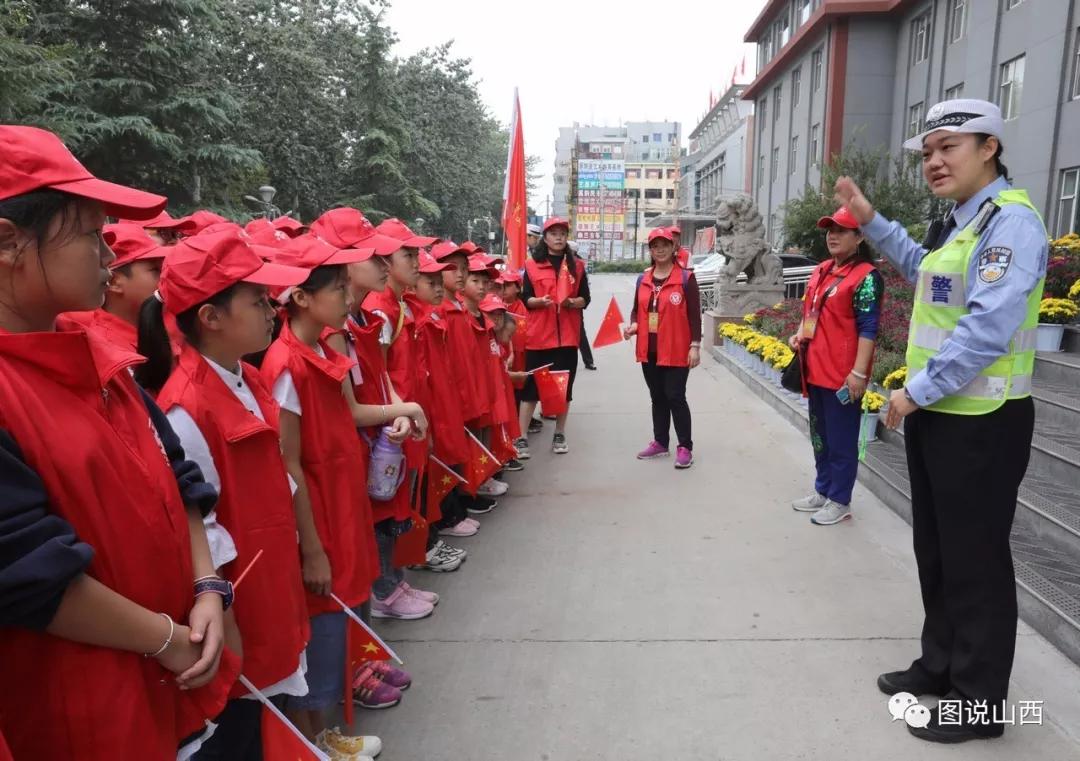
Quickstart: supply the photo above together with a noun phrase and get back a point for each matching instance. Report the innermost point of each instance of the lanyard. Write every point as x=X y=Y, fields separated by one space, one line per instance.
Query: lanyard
x=831 y=289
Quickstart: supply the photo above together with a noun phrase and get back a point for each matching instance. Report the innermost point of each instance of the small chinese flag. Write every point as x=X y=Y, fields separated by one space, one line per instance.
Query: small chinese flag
x=564 y=286
x=481 y=465
x=410 y=548
x=501 y=444
x=281 y=741
x=552 y=387
x=441 y=481
x=361 y=645
x=609 y=332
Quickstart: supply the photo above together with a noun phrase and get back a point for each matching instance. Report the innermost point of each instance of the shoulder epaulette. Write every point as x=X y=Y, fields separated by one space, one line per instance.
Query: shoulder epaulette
x=985 y=214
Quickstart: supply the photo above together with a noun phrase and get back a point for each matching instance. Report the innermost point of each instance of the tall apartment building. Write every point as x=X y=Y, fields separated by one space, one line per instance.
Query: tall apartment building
x=835 y=72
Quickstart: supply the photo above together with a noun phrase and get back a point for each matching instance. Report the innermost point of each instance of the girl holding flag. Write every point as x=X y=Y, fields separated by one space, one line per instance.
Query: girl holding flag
x=668 y=301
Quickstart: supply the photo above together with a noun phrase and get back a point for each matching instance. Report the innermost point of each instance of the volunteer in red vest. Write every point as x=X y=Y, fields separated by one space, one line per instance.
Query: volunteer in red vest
x=666 y=318
x=682 y=253
x=841 y=311
x=215 y=285
x=95 y=665
x=554 y=326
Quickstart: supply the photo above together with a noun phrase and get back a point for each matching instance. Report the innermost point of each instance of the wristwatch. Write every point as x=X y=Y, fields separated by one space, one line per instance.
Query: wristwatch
x=216 y=586
x=909 y=397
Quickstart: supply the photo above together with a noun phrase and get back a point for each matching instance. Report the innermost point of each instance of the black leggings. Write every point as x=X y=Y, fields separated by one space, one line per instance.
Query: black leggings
x=667 y=388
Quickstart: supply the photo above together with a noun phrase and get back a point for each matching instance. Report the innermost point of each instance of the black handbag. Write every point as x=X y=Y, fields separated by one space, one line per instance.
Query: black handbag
x=792 y=377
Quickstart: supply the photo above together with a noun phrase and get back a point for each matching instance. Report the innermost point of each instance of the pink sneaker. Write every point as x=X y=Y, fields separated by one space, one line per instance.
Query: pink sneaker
x=653 y=451
x=471 y=522
x=462 y=529
x=395 y=677
x=431 y=598
x=369 y=691
x=684 y=458
x=400 y=605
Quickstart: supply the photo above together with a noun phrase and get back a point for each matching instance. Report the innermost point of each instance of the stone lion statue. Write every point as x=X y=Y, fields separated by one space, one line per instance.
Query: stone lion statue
x=740 y=233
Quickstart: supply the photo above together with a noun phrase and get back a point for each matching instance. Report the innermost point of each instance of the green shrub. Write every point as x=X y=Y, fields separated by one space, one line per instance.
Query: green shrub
x=621 y=265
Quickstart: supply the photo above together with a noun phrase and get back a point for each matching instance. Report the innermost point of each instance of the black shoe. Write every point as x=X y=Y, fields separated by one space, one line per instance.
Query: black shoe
x=536 y=425
x=913 y=681
x=481 y=505
x=513 y=466
x=548 y=417
x=590 y=367
x=955 y=729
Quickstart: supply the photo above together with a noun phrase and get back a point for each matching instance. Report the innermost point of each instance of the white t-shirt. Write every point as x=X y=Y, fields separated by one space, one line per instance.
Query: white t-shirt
x=285 y=393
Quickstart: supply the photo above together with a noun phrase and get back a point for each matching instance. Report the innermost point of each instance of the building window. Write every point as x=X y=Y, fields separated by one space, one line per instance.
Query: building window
x=644 y=138
x=914 y=120
x=670 y=193
x=673 y=137
x=794 y=157
x=954 y=92
x=1010 y=4
x=956 y=17
x=783 y=31
x=1012 y=86
x=653 y=194
x=796 y=86
x=776 y=103
x=775 y=162
x=803 y=11
x=670 y=174
x=920 y=39
x=763 y=111
x=633 y=174
x=1074 y=93
x=814 y=160
x=761 y=169
x=633 y=193
x=815 y=70
x=652 y=174
x=1068 y=219
x=657 y=137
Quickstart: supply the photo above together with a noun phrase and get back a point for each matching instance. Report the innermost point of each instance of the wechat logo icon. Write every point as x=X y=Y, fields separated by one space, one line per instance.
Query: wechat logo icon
x=904 y=705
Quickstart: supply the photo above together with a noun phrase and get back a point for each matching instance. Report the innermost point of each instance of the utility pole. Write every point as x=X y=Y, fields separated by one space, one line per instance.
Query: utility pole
x=601 y=174
x=637 y=221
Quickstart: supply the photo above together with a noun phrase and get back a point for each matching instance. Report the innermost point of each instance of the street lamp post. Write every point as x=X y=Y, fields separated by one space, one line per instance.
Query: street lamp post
x=266 y=201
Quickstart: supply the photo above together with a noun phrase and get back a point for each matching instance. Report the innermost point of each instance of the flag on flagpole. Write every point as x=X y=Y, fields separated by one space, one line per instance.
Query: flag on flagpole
x=502 y=446
x=609 y=332
x=552 y=386
x=410 y=548
x=280 y=739
x=564 y=286
x=515 y=203
x=371 y=644
x=361 y=644
x=441 y=481
x=481 y=466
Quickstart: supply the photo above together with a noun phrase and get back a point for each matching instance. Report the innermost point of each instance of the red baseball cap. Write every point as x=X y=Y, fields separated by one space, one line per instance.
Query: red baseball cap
x=492 y=303
x=429 y=265
x=398 y=230
x=200 y=266
x=675 y=230
x=842 y=218
x=130 y=243
x=661 y=233
x=347 y=227
x=556 y=222
x=258 y=225
x=448 y=248
x=479 y=263
x=36 y=159
x=310 y=252
x=163 y=222
x=290 y=226
x=202 y=219
x=509 y=276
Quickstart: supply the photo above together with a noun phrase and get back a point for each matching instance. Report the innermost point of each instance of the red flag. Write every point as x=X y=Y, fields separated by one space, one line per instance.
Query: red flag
x=515 y=202
x=361 y=644
x=501 y=444
x=552 y=387
x=410 y=548
x=441 y=481
x=280 y=739
x=564 y=286
x=609 y=332
x=481 y=466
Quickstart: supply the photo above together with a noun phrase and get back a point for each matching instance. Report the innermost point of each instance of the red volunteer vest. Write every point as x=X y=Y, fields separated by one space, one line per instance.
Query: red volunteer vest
x=481 y=355
x=498 y=381
x=551 y=328
x=682 y=257
x=463 y=357
x=673 y=328
x=447 y=424
x=256 y=507
x=517 y=343
x=69 y=401
x=107 y=325
x=335 y=466
x=401 y=354
x=835 y=344
x=372 y=389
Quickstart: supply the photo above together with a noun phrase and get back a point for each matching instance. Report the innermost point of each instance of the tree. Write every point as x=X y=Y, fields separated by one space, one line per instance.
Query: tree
x=27 y=71
x=900 y=194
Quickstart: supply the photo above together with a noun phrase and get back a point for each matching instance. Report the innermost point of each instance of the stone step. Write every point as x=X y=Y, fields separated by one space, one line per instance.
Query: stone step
x=1057 y=367
x=1071 y=340
x=1057 y=402
x=1046 y=531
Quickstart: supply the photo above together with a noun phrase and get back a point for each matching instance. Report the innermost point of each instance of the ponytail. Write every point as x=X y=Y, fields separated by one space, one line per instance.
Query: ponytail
x=153 y=344
x=999 y=165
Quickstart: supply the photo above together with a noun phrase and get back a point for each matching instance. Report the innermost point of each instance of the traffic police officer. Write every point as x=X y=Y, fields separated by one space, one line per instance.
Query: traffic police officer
x=967 y=403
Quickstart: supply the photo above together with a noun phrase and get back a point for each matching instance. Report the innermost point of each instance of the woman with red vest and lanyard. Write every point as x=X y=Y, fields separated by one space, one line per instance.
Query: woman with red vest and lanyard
x=667 y=298
x=554 y=329
x=836 y=337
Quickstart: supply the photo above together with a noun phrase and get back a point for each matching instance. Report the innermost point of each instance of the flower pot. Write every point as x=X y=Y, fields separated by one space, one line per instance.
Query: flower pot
x=1048 y=337
x=869 y=426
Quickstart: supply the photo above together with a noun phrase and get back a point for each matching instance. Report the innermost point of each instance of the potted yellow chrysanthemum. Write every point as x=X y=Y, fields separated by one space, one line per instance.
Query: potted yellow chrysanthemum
x=1053 y=315
x=871 y=406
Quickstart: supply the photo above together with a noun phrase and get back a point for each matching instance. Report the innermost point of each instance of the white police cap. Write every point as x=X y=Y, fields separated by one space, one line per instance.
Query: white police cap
x=533 y=229
x=961 y=115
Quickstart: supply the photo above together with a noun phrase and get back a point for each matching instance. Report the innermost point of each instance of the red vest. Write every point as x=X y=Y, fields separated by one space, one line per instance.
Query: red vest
x=484 y=389
x=373 y=389
x=463 y=357
x=256 y=507
x=835 y=344
x=682 y=257
x=673 y=328
x=69 y=401
x=444 y=415
x=498 y=381
x=551 y=328
x=517 y=343
x=335 y=466
x=107 y=325
x=401 y=354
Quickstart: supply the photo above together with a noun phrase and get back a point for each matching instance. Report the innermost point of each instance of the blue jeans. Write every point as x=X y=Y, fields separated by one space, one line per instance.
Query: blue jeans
x=834 y=433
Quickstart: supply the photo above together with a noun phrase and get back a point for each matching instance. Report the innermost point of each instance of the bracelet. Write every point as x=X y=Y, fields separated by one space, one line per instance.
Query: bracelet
x=168 y=640
x=383 y=408
x=857 y=374
x=695 y=344
x=204 y=578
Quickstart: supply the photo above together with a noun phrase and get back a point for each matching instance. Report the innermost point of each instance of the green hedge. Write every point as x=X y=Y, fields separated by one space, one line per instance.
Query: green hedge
x=621 y=265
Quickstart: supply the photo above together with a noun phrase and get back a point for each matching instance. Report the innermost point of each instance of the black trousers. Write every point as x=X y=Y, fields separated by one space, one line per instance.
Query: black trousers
x=667 y=388
x=583 y=346
x=238 y=736
x=965 y=476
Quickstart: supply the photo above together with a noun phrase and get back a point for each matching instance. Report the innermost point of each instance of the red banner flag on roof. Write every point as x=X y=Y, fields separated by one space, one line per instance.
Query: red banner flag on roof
x=515 y=202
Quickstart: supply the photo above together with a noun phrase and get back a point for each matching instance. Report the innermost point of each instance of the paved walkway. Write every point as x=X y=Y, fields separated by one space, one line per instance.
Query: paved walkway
x=618 y=610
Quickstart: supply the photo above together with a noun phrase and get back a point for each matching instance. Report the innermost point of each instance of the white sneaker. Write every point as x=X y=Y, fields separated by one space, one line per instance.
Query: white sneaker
x=351 y=747
x=832 y=513
x=810 y=504
x=493 y=487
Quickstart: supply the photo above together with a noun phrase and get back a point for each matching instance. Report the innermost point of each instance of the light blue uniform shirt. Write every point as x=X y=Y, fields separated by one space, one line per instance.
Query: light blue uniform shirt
x=996 y=309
